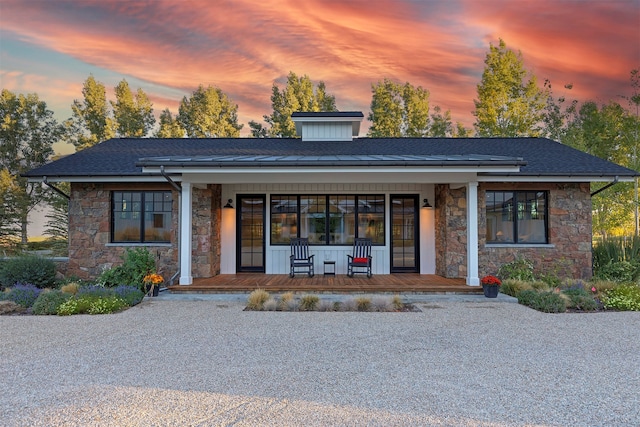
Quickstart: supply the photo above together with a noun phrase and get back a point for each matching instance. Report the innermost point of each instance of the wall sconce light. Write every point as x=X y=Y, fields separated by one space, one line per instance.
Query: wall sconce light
x=229 y=205
x=426 y=204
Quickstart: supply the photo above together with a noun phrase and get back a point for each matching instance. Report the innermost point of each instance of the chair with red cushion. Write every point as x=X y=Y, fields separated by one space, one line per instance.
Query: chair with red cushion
x=360 y=260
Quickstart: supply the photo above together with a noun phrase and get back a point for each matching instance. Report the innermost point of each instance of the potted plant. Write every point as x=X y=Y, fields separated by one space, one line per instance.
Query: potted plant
x=490 y=285
x=152 y=284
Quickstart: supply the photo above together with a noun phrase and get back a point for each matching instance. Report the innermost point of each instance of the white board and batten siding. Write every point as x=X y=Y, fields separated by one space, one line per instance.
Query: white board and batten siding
x=327 y=132
x=277 y=256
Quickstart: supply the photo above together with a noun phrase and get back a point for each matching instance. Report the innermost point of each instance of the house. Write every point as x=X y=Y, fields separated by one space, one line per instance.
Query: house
x=454 y=207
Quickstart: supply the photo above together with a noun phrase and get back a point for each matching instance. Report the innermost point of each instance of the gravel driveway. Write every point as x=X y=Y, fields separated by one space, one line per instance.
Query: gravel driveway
x=208 y=363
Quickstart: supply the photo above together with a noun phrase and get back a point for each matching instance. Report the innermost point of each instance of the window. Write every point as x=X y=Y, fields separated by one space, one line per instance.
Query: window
x=141 y=216
x=517 y=216
x=327 y=219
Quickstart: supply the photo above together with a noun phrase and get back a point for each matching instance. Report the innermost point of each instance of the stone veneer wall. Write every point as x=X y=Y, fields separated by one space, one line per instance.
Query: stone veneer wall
x=206 y=223
x=90 y=250
x=567 y=255
x=451 y=231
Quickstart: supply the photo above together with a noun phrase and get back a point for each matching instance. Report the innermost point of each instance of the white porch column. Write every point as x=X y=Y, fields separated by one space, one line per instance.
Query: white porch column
x=472 y=234
x=185 y=235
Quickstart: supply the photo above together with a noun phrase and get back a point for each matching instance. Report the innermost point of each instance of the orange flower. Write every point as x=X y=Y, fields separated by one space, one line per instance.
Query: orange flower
x=153 y=279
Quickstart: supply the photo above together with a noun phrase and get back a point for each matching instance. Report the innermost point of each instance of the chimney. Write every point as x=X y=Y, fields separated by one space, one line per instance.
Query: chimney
x=328 y=126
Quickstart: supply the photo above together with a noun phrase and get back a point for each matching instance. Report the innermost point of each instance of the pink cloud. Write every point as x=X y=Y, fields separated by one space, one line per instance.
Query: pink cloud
x=243 y=46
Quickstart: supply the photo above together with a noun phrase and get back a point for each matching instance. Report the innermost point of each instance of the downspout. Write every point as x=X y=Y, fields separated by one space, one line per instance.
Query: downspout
x=178 y=188
x=54 y=188
x=614 y=182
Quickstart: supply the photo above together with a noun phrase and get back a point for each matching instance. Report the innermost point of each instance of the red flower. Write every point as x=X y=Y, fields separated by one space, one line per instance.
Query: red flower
x=490 y=280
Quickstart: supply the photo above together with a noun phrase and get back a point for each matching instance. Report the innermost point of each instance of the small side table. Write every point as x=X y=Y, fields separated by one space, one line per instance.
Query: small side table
x=329 y=268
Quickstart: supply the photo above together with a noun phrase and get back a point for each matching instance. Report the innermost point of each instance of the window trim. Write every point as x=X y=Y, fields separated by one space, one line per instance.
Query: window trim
x=515 y=213
x=143 y=199
x=327 y=197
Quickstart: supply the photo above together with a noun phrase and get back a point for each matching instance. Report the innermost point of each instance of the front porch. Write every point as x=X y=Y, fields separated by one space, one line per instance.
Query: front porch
x=382 y=283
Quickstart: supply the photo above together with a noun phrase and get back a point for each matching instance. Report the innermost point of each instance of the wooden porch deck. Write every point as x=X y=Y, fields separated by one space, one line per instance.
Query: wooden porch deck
x=388 y=283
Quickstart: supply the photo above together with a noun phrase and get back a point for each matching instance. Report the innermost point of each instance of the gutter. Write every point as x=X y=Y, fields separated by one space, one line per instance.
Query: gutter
x=612 y=183
x=178 y=188
x=56 y=189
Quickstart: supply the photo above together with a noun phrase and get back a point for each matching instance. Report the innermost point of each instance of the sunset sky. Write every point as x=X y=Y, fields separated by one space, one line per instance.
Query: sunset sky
x=168 y=48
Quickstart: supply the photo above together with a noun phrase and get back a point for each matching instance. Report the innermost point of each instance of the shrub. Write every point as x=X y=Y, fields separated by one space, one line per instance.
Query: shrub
x=326 y=305
x=107 y=305
x=22 y=294
x=518 y=269
x=91 y=304
x=579 y=298
x=550 y=302
x=129 y=294
x=397 y=302
x=70 y=288
x=94 y=291
x=363 y=304
x=621 y=271
x=285 y=298
x=382 y=303
x=309 y=302
x=526 y=297
x=349 y=304
x=270 y=305
x=49 y=301
x=513 y=287
x=291 y=305
x=40 y=272
x=136 y=263
x=623 y=297
x=257 y=299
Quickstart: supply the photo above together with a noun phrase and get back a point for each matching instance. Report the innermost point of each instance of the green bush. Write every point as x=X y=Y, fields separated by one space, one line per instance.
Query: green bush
x=624 y=297
x=36 y=270
x=526 y=297
x=549 y=302
x=136 y=263
x=620 y=271
x=580 y=299
x=49 y=301
x=518 y=269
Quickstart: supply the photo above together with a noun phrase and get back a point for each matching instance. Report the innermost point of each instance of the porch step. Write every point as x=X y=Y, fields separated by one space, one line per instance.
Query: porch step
x=379 y=284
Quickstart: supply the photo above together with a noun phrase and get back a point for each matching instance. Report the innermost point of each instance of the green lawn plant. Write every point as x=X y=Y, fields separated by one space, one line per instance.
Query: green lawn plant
x=38 y=271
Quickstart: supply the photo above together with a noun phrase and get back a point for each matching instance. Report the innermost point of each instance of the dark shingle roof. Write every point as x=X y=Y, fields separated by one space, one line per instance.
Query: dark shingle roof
x=539 y=156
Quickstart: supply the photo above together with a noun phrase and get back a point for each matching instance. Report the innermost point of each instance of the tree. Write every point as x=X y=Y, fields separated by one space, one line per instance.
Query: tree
x=91 y=122
x=27 y=133
x=209 y=113
x=441 y=125
x=57 y=225
x=509 y=103
x=402 y=110
x=9 y=219
x=169 y=127
x=298 y=95
x=133 y=115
